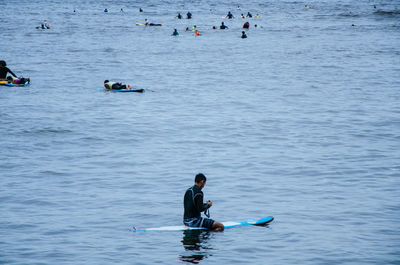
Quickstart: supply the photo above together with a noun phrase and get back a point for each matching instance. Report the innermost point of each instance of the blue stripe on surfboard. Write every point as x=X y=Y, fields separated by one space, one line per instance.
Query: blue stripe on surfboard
x=15 y=85
x=229 y=224
x=138 y=90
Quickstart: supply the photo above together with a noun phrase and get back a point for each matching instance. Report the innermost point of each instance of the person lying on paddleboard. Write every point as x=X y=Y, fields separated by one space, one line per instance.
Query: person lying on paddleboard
x=116 y=85
x=146 y=23
x=4 y=71
x=194 y=205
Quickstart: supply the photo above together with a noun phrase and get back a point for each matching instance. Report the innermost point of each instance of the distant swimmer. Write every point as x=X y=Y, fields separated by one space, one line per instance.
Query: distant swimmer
x=106 y=10
x=246 y=25
x=194 y=28
x=4 y=70
x=187 y=29
x=175 y=33
x=223 y=26
x=249 y=14
x=242 y=16
x=189 y=15
x=116 y=85
x=122 y=10
x=197 y=33
x=179 y=16
x=194 y=204
x=44 y=25
x=306 y=6
x=257 y=16
x=244 y=36
x=229 y=15
x=214 y=27
x=140 y=10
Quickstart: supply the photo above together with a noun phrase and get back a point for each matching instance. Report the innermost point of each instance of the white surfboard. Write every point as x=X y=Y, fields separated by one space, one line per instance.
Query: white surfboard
x=228 y=224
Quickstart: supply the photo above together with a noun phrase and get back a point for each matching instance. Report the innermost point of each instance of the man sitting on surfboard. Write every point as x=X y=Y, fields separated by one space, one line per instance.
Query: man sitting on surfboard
x=4 y=71
x=194 y=205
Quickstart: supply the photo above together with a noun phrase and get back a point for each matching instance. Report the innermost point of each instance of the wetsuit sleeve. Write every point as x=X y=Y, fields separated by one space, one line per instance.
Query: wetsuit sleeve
x=205 y=207
x=8 y=70
x=199 y=202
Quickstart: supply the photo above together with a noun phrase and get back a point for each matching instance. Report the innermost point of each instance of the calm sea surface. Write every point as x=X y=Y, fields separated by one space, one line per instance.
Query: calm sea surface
x=300 y=121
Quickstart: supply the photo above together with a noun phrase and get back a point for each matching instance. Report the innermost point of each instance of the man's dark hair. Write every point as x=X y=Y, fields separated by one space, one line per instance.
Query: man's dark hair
x=199 y=177
x=106 y=81
x=3 y=63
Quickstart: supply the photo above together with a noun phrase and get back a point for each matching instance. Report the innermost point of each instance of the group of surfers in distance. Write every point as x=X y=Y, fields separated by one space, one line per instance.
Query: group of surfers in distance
x=246 y=25
x=12 y=78
x=188 y=15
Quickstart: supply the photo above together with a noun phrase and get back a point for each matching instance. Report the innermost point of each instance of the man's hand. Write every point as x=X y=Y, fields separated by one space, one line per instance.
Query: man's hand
x=209 y=203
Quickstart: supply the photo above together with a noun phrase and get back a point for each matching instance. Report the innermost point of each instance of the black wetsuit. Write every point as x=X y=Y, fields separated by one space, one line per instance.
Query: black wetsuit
x=223 y=27
x=193 y=203
x=189 y=15
x=118 y=86
x=3 y=72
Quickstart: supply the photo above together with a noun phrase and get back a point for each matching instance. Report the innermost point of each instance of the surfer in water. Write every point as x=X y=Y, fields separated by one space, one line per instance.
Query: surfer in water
x=194 y=205
x=175 y=33
x=44 y=25
x=116 y=85
x=223 y=26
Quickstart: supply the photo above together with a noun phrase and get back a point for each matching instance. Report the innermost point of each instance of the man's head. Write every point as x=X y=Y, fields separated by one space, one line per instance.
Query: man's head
x=200 y=180
x=3 y=63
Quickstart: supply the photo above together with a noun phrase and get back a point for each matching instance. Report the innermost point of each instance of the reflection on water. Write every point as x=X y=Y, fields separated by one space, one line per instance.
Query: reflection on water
x=196 y=244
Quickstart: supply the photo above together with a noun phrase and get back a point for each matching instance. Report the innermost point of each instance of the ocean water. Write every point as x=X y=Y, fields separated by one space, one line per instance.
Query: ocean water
x=300 y=121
